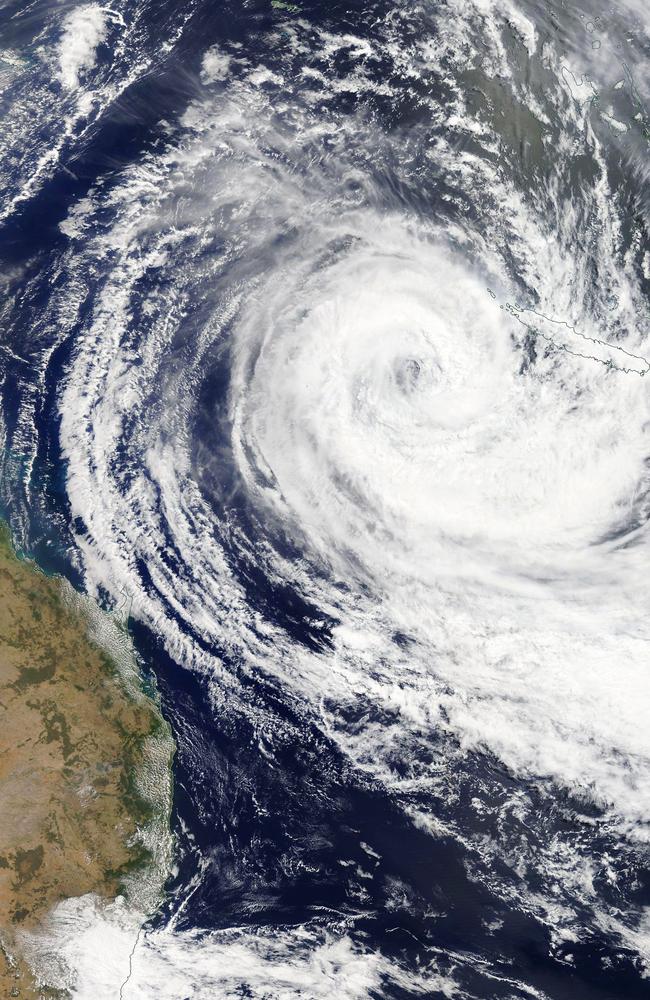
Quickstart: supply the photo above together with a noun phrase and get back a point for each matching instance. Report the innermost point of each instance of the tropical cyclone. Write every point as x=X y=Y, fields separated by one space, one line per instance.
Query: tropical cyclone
x=79 y=746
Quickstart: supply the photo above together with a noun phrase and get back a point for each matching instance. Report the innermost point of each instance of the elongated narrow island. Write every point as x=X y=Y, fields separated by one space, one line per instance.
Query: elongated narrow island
x=85 y=765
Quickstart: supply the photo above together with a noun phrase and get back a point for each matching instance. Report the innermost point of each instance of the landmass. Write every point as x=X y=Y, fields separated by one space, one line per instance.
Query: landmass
x=80 y=741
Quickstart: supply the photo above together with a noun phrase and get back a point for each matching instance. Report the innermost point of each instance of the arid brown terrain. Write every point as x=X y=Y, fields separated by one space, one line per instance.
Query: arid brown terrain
x=72 y=743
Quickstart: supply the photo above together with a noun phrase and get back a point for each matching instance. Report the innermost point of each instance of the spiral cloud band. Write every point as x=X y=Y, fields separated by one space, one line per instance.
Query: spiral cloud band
x=358 y=410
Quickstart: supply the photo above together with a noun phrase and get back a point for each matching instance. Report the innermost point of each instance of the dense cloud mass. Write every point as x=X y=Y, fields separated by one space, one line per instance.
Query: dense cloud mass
x=344 y=365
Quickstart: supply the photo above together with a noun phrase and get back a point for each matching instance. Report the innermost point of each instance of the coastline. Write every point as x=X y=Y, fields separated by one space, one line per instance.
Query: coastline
x=85 y=772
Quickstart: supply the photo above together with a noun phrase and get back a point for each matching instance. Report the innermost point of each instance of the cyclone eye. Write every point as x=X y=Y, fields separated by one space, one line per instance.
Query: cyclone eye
x=408 y=374
x=328 y=382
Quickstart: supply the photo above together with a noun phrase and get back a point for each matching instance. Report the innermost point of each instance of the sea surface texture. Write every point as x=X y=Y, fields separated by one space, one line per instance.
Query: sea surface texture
x=325 y=364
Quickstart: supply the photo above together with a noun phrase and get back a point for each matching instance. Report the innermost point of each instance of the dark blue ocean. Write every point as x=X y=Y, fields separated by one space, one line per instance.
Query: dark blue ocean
x=323 y=343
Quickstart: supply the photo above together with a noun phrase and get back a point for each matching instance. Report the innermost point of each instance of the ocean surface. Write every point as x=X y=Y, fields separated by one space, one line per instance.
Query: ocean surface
x=324 y=335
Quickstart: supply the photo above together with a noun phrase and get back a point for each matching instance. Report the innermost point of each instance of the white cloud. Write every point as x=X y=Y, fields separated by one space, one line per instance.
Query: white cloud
x=84 y=29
